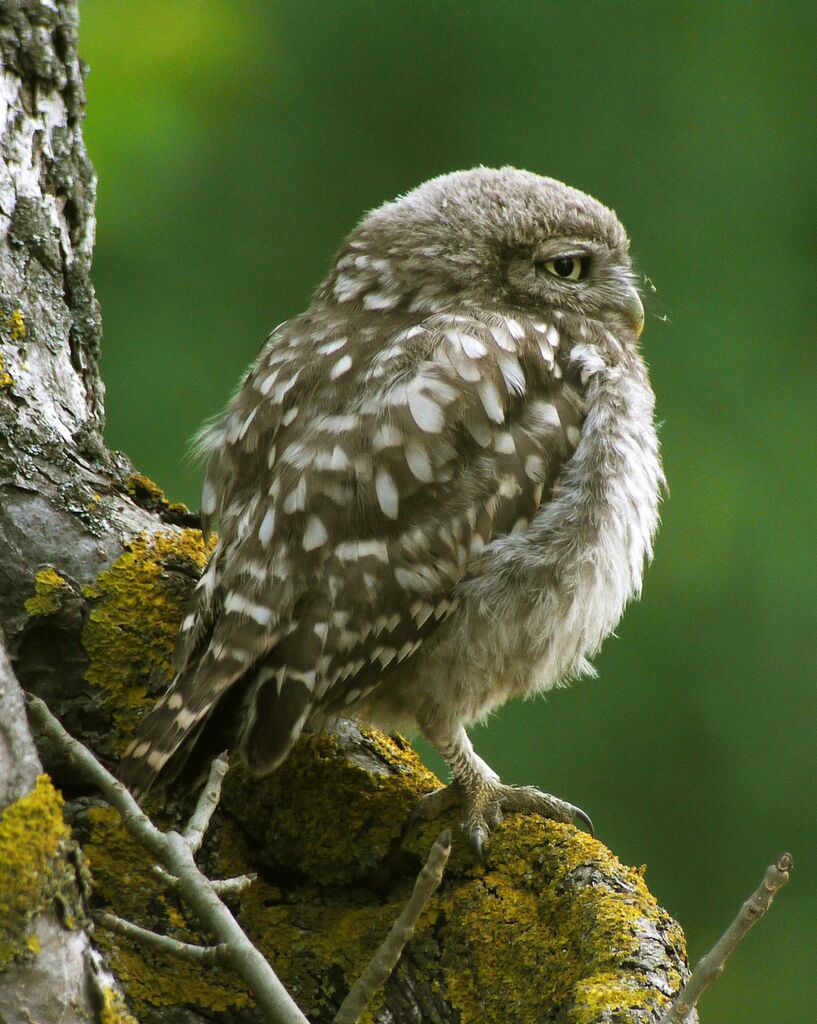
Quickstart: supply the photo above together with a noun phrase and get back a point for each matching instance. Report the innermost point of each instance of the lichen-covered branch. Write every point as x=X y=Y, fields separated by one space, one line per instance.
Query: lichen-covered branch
x=711 y=966
x=175 y=852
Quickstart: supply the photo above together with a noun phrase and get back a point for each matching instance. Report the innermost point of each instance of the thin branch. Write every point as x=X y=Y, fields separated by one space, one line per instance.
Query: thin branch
x=711 y=966
x=231 y=886
x=222 y=886
x=133 y=817
x=205 y=956
x=174 y=854
x=382 y=963
x=209 y=797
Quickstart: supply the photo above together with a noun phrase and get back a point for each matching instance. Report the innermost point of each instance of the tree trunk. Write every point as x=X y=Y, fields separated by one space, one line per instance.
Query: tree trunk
x=95 y=569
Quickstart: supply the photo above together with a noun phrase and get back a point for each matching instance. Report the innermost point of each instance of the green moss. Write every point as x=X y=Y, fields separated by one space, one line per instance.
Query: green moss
x=347 y=816
x=136 y=608
x=33 y=867
x=49 y=590
x=317 y=939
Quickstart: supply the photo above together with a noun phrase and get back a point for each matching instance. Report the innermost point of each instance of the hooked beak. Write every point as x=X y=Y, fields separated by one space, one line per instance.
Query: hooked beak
x=634 y=309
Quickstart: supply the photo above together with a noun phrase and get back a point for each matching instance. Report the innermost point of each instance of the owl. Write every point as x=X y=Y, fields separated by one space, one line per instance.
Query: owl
x=435 y=490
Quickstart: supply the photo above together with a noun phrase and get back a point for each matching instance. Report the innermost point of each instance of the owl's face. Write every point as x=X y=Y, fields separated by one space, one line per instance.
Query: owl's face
x=495 y=239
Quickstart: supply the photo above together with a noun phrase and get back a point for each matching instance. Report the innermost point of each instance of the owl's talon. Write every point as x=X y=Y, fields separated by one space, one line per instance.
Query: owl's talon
x=585 y=819
x=476 y=840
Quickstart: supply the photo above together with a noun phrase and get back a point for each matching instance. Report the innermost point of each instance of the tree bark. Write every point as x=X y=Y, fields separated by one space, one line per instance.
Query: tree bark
x=95 y=569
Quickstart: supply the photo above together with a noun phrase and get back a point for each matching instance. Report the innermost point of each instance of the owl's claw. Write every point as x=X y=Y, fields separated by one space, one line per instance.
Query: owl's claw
x=580 y=814
x=483 y=807
x=476 y=840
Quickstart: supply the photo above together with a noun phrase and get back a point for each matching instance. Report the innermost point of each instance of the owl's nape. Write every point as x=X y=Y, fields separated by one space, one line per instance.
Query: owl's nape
x=435 y=490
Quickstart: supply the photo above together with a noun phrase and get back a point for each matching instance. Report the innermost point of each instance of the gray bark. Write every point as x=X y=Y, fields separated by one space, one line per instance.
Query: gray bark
x=50 y=444
x=68 y=503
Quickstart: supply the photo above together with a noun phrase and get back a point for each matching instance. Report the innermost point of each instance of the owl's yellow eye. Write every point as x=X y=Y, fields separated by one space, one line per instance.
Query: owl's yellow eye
x=568 y=268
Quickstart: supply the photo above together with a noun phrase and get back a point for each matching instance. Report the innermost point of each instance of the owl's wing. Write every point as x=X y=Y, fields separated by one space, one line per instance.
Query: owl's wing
x=355 y=476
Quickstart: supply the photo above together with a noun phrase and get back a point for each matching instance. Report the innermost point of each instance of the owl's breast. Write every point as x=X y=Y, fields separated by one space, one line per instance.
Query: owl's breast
x=543 y=601
x=541 y=594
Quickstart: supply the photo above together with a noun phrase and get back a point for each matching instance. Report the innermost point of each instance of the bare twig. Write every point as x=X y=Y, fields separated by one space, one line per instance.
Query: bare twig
x=205 y=956
x=228 y=886
x=176 y=857
x=711 y=965
x=193 y=834
x=382 y=963
x=231 y=886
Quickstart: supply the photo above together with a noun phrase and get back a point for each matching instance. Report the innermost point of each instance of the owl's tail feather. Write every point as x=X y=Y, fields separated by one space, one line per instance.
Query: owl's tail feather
x=159 y=740
x=262 y=713
x=276 y=718
x=186 y=770
x=177 y=720
x=169 y=737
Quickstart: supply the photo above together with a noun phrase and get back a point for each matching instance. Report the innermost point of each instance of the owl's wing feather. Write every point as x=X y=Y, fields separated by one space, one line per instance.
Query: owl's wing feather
x=354 y=477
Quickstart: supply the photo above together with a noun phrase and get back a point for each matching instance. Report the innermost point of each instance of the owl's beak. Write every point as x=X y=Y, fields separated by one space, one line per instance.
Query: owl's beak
x=634 y=309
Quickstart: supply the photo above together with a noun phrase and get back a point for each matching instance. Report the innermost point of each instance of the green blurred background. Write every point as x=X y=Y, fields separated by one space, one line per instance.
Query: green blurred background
x=237 y=142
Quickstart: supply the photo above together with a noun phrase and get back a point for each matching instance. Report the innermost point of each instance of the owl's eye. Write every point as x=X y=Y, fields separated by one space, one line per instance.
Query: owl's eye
x=568 y=268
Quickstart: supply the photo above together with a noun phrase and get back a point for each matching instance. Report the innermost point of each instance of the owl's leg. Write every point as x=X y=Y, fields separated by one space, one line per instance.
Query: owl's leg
x=483 y=798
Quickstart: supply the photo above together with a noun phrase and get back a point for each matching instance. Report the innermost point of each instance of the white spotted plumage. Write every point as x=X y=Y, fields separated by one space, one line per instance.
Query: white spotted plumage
x=436 y=489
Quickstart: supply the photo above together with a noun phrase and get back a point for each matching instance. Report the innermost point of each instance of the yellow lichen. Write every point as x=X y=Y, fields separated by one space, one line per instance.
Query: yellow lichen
x=49 y=590
x=527 y=919
x=17 y=325
x=136 y=608
x=141 y=485
x=33 y=870
x=14 y=324
x=5 y=378
x=150 y=495
x=113 y=1009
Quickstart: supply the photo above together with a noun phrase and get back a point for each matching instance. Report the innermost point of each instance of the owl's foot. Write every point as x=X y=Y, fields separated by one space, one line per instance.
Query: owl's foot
x=483 y=805
x=483 y=798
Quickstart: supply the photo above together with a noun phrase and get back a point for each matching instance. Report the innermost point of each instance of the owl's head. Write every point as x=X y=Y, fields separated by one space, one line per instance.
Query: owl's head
x=495 y=239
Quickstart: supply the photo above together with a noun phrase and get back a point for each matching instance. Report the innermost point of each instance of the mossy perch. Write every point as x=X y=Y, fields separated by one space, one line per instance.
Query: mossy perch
x=556 y=928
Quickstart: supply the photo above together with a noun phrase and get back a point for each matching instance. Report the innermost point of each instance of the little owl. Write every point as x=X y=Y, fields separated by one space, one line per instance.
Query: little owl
x=435 y=490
